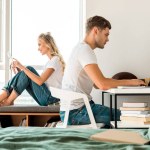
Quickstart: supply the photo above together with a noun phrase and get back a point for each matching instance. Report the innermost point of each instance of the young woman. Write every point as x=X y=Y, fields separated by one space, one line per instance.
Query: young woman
x=28 y=79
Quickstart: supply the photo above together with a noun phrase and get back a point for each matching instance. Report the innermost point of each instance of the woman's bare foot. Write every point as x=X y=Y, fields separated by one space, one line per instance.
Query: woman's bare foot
x=3 y=95
x=10 y=99
x=6 y=103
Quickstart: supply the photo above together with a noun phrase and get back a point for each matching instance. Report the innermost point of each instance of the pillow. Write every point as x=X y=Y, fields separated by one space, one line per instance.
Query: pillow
x=124 y=75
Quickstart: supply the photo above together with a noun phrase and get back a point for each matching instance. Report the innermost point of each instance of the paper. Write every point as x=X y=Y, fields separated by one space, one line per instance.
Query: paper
x=119 y=136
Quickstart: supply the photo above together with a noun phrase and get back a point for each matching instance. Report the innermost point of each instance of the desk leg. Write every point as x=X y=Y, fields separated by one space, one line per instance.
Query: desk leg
x=115 y=111
x=110 y=109
x=103 y=98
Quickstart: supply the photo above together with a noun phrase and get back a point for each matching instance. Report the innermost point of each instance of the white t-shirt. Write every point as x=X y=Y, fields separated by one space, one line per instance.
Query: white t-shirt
x=55 y=79
x=75 y=78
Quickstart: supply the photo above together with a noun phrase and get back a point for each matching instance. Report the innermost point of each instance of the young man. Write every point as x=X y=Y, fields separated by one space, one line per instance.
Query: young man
x=82 y=73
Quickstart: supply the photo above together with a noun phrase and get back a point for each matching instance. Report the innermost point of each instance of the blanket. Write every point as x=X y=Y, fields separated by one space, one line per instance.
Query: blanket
x=44 y=138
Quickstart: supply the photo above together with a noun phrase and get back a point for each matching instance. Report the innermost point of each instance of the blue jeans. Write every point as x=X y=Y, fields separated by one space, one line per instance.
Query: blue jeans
x=80 y=116
x=21 y=82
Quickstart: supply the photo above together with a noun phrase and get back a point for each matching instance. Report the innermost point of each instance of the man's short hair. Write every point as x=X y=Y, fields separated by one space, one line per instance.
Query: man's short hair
x=97 y=21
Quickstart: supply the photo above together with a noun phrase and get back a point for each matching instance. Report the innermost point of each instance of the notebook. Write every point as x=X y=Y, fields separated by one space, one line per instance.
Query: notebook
x=120 y=136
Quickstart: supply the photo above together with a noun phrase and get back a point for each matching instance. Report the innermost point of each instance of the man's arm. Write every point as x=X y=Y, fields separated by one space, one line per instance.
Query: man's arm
x=95 y=86
x=103 y=83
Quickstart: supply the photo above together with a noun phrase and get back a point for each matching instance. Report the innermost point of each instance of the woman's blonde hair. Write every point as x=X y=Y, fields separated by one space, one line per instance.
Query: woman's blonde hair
x=51 y=44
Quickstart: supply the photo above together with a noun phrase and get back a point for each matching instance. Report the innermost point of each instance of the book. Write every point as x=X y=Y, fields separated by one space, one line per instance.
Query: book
x=53 y=124
x=23 y=122
x=135 y=122
x=50 y=125
x=140 y=118
x=130 y=87
x=135 y=108
x=132 y=115
x=135 y=112
x=137 y=104
x=119 y=136
x=47 y=124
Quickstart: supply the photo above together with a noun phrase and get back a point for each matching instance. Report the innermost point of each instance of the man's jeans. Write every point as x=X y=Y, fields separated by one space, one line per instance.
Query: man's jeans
x=21 y=81
x=80 y=116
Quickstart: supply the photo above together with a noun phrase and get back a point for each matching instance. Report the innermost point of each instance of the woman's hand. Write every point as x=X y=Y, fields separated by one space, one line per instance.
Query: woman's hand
x=13 y=68
x=16 y=66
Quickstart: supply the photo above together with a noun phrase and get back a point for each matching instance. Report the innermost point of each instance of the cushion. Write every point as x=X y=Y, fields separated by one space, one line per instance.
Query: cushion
x=30 y=109
x=124 y=75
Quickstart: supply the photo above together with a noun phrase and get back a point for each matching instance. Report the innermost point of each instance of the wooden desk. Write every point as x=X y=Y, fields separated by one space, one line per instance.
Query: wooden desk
x=115 y=93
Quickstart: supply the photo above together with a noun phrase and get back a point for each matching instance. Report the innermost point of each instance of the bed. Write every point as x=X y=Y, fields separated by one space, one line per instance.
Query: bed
x=44 y=138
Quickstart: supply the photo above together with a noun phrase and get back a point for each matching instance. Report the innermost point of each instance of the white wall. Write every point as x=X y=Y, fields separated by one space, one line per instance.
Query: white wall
x=128 y=48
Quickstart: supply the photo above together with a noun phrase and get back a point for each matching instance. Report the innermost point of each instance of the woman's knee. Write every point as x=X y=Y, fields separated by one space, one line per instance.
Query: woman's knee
x=30 y=68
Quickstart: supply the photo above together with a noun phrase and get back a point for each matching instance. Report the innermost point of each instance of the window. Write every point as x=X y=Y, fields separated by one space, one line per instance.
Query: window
x=32 y=17
x=61 y=18
x=4 y=44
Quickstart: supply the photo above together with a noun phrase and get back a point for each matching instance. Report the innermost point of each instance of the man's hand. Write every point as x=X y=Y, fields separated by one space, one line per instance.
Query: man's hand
x=138 y=82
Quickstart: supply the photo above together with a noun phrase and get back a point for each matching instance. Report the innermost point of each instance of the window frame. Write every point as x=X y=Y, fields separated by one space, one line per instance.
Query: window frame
x=1 y=29
x=5 y=36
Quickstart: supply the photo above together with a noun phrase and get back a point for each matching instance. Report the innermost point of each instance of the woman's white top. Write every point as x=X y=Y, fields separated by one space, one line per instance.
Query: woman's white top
x=55 y=79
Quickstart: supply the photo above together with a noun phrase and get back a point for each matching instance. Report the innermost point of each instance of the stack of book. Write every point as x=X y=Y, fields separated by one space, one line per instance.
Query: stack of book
x=51 y=125
x=135 y=113
x=23 y=122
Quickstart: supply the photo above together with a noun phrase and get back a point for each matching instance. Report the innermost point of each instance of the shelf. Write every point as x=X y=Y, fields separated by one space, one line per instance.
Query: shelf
x=33 y=115
x=32 y=119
